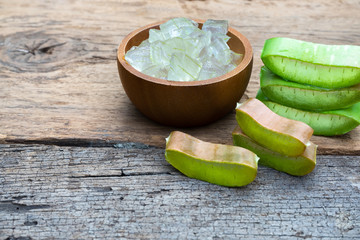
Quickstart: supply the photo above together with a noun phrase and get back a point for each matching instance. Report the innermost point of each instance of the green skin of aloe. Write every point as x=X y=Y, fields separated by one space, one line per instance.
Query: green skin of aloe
x=297 y=166
x=306 y=97
x=282 y=140
x=326 y=66
x=325 y=123
x=219 y=164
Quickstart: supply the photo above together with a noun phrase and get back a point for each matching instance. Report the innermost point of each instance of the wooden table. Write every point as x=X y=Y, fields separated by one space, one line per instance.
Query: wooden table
x=78 y=161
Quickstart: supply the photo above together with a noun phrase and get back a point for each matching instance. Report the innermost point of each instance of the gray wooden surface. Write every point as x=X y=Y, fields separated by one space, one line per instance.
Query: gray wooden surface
x=59 y=192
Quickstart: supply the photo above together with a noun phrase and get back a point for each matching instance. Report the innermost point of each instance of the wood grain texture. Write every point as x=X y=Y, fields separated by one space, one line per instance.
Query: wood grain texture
x=59 y=80
x=51 y=192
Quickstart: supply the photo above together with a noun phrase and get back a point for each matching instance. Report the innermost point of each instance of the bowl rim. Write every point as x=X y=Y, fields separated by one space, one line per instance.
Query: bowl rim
x=248 y=56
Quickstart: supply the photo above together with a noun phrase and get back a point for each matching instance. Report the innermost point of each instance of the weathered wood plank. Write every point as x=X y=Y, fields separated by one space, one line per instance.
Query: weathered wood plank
x=59 y=79
x=51 y=192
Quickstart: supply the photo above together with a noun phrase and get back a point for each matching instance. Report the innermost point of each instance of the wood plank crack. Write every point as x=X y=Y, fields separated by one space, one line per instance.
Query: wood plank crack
x=12 y=206
x=123 y=175
x=76 y=142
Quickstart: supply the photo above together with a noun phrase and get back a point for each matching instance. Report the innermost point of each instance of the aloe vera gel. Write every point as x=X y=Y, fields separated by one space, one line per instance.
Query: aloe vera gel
x=180 y=51
x=314 y=83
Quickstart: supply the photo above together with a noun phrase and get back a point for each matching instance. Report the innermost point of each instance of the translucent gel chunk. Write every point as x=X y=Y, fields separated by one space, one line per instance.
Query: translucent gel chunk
x=210 y=69
x=183 y=68
x=166 y=47
x=158 y=56
x=156 y=71
x=176 y=45
x=155 y=35
x=216 y=26
x=221 y=51
x=178 y=27
x=199 y=40
x=139 y=57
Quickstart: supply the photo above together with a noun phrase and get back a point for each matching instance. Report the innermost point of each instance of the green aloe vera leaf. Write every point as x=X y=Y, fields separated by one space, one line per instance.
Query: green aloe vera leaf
x=306 y=97
x=297 y=166
x=327 y=123
x=271 y=130
x=214 y=163
x=328 y=66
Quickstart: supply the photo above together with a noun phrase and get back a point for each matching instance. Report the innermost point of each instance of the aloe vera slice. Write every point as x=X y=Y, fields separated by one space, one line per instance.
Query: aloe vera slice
x=297 y=166
x=305 y=96
x=216 y=26
x=328 y=66
x=214 y=163
x=272 y=131
x=177 y=27
x=326 y=123
x=183 y=68
x=139 y=57
x=162 y=51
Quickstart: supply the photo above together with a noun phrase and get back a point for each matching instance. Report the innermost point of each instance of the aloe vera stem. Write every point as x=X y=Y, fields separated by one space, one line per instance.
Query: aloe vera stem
x=215 y=163
x=297 y=166
x=271 y=130
x=329 y=66
x=325 y=123
x=306 y=97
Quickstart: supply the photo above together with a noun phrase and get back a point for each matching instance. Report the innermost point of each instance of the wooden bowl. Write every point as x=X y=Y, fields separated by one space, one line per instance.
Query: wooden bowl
x=185 y=104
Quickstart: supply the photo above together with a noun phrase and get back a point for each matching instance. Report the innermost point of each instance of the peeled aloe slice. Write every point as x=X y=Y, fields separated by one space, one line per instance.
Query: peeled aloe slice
x=297 y=166
x=139 y=57
x=220 y=50
x=156 y=71
x=328 y=66
x=214 y=163
x=162 y=51
x=183 y=68
x=216 y=26
x=326 y=123
x=305 y=96
x=272 y=131
x=156 y=35
x=176 y=27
